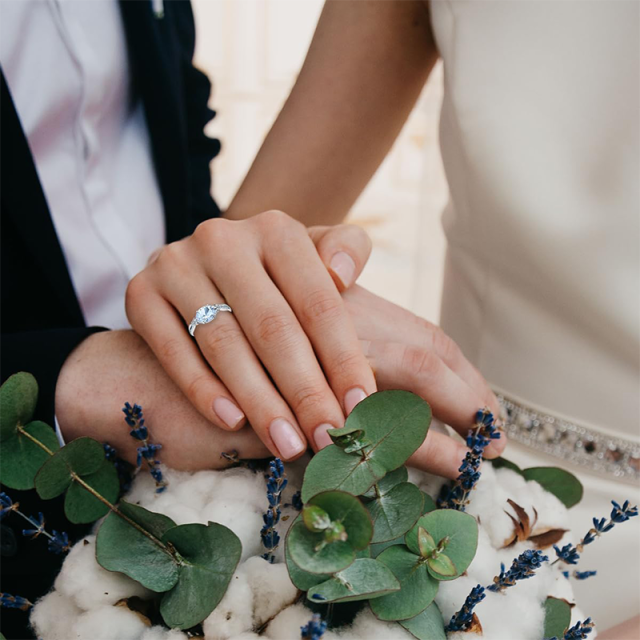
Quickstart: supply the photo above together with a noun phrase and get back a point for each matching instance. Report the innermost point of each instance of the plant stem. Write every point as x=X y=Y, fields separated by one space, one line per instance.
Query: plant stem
x=76 y=478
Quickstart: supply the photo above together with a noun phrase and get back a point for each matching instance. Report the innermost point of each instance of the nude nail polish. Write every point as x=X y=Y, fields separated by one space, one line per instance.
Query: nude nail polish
x=352 y=398
x=228 y=412
x=344 y=267
x=321 y=437
x=286 y=438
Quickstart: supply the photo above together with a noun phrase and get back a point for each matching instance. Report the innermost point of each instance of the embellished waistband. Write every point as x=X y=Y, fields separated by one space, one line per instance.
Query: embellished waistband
x=575 y=443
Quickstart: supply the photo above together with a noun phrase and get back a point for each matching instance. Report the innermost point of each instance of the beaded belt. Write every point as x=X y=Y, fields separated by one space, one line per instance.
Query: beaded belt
x=572 y=442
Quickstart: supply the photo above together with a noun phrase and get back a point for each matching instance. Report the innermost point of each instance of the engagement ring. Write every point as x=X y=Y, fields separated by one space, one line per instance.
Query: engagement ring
x=207 y=314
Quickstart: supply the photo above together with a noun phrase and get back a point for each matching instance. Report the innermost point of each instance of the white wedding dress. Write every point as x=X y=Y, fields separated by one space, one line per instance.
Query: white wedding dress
x=540 y=142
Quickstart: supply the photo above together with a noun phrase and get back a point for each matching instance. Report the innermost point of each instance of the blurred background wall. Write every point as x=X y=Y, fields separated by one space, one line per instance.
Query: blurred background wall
x=252 y=50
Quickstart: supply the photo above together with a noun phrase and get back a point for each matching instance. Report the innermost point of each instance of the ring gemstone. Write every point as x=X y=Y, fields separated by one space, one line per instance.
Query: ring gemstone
x=207 y=314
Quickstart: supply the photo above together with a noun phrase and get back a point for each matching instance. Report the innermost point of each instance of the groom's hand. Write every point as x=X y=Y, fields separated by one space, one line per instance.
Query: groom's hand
x=113 y=367
x=287 y=359
x=407 y=352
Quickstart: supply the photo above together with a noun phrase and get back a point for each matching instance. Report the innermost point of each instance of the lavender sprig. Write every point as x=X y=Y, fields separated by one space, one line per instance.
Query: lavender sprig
x=14 y=602
x=477 y=441
x=570 y=554
x=123 y=469
x=276 y=483
x=58 y=542
x=579 y=631
x=314 y=629
x=579 y=575
x=134 y=418
x=523 y=567
x=462 y=620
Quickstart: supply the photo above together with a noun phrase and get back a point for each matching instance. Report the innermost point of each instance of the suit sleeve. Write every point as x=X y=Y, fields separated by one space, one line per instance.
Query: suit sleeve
x=196 y=91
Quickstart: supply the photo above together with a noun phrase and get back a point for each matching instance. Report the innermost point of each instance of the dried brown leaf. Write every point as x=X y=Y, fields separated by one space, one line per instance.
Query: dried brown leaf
x=548 y=538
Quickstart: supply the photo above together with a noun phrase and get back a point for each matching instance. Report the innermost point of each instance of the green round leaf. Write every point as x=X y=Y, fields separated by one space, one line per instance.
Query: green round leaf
x=417 y=587
x=564 y=485
x=395 y=423
x=377 y=549
x=395 y=512
x=18 y=399
x=315 y=518
x=83 y=456
x=348 y=510
x=503 y=463
x=22 y=458
x=429 y=504
x=82 y=507
x=387 y=483
x=349 y=472
x=120 y=547
x=557 y=617
x=459 y=527
x=363 y=580
x=302 y=579
x=426 y=543
x=209 y=556
x=442 y=567
x=427 y=625
x=310 y=555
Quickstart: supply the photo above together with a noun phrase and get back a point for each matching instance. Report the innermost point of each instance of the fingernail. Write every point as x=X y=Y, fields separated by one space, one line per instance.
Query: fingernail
x=352 y=397
x=344 y=267
x=228 y=412
x=321 y=437
x=286 y=438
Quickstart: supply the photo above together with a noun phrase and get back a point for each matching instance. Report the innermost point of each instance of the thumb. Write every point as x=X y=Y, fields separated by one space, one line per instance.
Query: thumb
x=344 y=249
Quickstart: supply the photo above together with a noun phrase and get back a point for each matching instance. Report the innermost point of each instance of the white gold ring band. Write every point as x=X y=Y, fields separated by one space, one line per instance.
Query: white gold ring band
x=207 y=314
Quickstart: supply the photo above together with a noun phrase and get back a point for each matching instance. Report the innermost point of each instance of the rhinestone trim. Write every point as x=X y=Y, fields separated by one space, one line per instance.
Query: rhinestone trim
x=572 y=442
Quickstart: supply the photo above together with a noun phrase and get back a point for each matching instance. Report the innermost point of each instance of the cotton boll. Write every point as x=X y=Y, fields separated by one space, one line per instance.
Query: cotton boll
x=182 y=514
x=366 y=625
x=561 y=588
x=248 y=635
x=196 y=490
x=160 y=633
x=54 y=616
x=286 y=625
x=88 y=584
x=486 y=563
x=108 y=623
x=452 y=594
x=234 y=613
x=242 y=485
x=510 y=615
x=242 y=520
x=271 y=587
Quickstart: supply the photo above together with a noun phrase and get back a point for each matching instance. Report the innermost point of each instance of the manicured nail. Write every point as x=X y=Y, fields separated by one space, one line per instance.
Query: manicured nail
x=286 y=438
x=352 y=397
x=228 y=412
x=344 y=267
x=321 y=437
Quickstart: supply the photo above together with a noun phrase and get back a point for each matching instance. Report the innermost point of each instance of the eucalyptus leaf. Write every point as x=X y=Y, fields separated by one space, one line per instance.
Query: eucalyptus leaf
x=503 y=463
x=22 y=458
x=312 y=554
x=459 y=528
x=363 y=580
x=120 y=547
x=83 y=456
x=417 y=587
x=429 y=504
x=442 y=566
x=562 y=484
x=426 y=543
x=208 y=557
x=80 y=506
x=384 y=485
x=18 y=399
x=377 y=549
x=347 y=510
x=395 y=512
x=302 y=579
x=557 y=617
x=427 y=625
x=394 y=422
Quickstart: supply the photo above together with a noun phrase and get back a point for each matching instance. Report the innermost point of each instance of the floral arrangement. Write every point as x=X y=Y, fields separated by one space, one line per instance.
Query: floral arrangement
x=369 y=550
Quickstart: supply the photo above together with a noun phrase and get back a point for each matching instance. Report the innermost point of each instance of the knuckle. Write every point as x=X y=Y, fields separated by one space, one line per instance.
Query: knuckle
x=307 y=398
x=136 y=288
x=420 y=363
x=445 y=346
x=214 y=232
x=273 y=328
x=219 y=337
x=322 y=307
x=279 y=223
x=198 y=387
x=170 y=350
x=172 y=256
x=345 y=363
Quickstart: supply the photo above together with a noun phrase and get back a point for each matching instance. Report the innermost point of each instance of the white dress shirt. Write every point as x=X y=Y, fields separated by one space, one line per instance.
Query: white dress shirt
x=66 y=65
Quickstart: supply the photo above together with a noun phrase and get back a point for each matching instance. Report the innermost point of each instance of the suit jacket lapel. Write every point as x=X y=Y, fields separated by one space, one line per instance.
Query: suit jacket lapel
x=24 y=200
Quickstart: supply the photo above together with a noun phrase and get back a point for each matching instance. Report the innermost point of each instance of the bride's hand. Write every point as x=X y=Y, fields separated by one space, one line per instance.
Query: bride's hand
x=287 y=359
x=407 y=352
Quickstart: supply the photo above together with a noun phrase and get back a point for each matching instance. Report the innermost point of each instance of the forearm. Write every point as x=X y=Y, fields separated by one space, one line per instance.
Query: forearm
x=364 y=71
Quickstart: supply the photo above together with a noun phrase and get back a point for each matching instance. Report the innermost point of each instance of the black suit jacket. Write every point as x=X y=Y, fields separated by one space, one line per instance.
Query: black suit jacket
x=41 y=318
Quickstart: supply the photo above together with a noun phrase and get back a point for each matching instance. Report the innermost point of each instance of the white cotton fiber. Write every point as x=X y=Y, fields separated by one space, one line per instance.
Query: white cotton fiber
x=286 y=625
x=160 y=633
x=366 y=625
x=108 y=623
x=54 y=616
x=271 y=587
x=244 y=522
x=88 y=584
x=509 y=615
x=234 y=614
